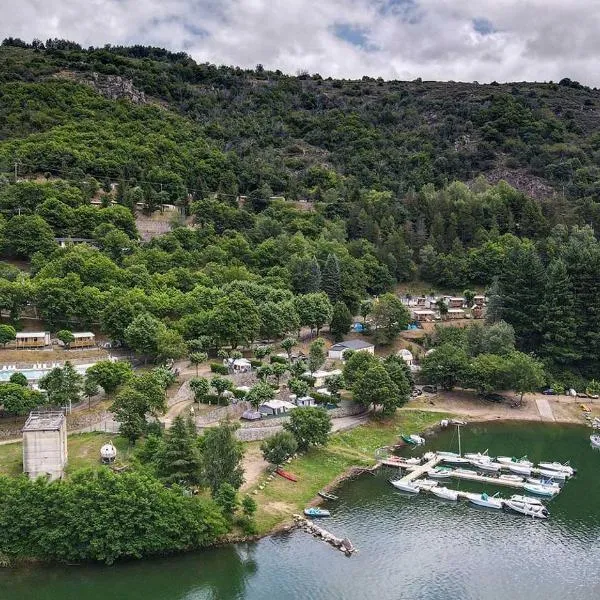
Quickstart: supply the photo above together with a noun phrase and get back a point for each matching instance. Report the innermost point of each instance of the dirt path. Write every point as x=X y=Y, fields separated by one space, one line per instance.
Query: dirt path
x=254 y=465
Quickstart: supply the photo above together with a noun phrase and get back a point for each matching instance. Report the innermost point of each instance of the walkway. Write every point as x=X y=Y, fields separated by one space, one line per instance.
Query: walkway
x=545 y=409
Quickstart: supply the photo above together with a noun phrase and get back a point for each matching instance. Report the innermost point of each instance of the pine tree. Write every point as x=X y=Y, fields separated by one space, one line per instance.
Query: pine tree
x=558 y=311
x=341 y=321
x=179 y=461
x=522 y=282
x=493 y=311
x=331 y=278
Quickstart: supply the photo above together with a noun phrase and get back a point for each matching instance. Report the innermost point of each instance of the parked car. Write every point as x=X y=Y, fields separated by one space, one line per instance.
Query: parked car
x=549 y=392
x=430 y=389
x=594 y=396
x=417 y=392
x=582 y=395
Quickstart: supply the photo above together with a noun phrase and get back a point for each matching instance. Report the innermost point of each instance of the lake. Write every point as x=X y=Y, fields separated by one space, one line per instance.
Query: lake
x=417 y=548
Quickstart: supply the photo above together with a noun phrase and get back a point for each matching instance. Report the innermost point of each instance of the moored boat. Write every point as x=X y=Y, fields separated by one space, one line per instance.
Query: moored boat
x=426 y=484
x=327 y=496
x=556 y=466
x=552 y=474
x=527 y=499
x=456 y=460
x=313 y=511
x=518 y=468
x=413 y=439
x=486 y=465
x=509 y=477
x=440 y=472
x=541 y=490
x=405 y=486
x=534 y=510
x=595 y=440
x=444 y=493
x=543 y=481
x=511 y=460
x=485 y=500
x=445 y=454
x=478 y=456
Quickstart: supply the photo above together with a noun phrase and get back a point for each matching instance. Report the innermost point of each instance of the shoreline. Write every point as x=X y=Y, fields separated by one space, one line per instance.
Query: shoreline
x=286 y=523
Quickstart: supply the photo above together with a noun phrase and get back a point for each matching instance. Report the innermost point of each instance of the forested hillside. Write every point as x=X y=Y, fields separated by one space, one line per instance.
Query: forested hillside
x=397 y=181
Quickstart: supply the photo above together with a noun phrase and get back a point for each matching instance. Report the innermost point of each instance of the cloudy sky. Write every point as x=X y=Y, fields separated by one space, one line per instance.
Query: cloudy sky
x=462 y=40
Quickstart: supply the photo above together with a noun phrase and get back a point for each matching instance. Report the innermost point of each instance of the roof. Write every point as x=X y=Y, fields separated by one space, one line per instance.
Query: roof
x=405 y=352
x=456 y=310
x=251 y=415
x=457 y=298
x=29 y=334
x=240 y=361
x=48 y=421
x=424 y=312
x=351 y=345
x=83 y=334
x=274 y=404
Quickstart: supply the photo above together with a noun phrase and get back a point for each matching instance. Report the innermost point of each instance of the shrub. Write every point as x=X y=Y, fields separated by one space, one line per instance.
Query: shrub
x=219 y=369
x=279 y=359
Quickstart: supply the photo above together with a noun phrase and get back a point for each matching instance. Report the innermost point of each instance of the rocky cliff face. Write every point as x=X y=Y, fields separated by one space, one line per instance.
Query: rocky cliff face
x=113 y=87
x=116 y=87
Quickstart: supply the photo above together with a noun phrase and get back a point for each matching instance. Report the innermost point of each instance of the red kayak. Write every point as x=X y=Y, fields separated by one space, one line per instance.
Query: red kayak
x=286 y=475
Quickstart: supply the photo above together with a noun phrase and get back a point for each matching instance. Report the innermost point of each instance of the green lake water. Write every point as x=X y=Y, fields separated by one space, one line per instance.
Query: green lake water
x=410 y=547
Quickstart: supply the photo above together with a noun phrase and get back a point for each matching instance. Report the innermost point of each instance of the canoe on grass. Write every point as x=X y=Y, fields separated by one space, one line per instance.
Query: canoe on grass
x=286 y=475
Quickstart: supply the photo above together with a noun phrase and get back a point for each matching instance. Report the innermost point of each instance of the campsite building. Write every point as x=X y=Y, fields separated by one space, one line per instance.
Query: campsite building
x=425 y=315
x=32 y=339
x=45 y=445
x=83 y=339
x=276 y=407
x=337 y=351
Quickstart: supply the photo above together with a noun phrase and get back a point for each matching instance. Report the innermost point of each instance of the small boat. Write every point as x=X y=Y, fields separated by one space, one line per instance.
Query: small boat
x=327 y=496
x=426 y=484
x=527 y=499
x=485 y=500
x=444 y=454
x=543 y=481
x=541 y=490
x=313 y=511
x=444 y=493
x=508 y=477
x=556 y=466
x=520 y=469
x=286 y=475
x=456 y=460
x=536 y=511
x=457 y=422
x=595 y=440
x=486 y=465
x=440 y=472
x=478 y=455
x=405 y=486
x=552 y=474
x=508 y=460
x=415 y=440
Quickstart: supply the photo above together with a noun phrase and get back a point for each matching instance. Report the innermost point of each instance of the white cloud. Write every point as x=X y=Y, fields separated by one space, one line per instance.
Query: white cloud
x=503 y=40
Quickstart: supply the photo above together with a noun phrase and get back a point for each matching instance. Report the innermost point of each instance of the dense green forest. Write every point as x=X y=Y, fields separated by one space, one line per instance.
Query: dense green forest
x=383 y=182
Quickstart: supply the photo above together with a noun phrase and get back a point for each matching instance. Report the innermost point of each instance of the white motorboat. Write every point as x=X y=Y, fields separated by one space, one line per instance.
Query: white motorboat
x=428 y=456
x=478 y=456
x=444 y=493
x=426 y=484
x=527 y=499
x=534 y=510
x=511 y=460
x=440 y=472
x=444 y=454
x=411 y=461
x=520 y=469
x=552 y=474
x=417 y=439
x=405 y=486
x=508 y=477
x=486 y=465
x=541 y=490
x=556 y=466
x=595 y=440
x=485 y=500
x=543 y=481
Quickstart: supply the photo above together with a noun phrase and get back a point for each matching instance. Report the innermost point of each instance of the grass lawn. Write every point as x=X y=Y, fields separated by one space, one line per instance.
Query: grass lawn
x=281 y=498
x=84 y=451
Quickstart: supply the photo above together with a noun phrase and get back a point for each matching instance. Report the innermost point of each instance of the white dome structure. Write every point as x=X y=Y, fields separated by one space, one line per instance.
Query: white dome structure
x=108 y=453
